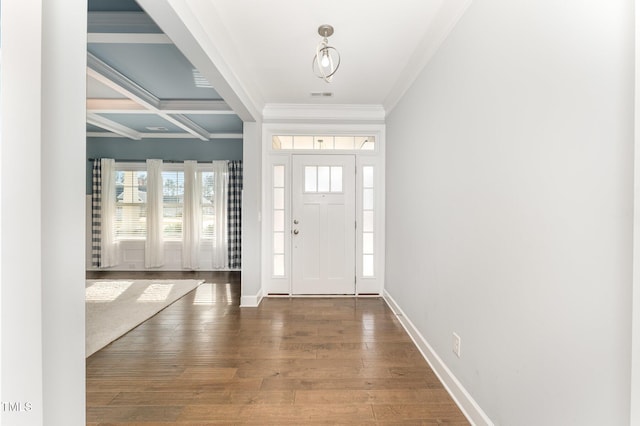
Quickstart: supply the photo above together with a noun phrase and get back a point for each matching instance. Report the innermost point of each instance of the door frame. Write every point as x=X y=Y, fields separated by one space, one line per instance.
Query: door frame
x=280 y=284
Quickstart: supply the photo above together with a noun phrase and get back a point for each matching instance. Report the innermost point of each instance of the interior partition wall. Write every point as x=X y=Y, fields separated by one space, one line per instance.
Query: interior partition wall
x=281 y=142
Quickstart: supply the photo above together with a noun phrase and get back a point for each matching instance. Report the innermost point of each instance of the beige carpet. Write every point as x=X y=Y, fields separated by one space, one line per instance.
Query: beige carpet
x=113 y=307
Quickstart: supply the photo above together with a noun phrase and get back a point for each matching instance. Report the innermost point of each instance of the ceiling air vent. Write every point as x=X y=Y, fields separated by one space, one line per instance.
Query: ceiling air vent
x=321 y=94
x=200 y=81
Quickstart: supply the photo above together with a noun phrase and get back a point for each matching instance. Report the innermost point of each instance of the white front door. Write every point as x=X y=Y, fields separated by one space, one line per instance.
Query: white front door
x=323 y=224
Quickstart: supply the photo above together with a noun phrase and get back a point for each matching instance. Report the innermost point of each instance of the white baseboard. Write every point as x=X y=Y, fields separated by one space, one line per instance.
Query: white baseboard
x=251 y=301
x=467 y=404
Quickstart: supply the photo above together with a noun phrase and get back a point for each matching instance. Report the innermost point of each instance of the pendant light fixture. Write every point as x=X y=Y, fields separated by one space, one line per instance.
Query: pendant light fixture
x=327 y=59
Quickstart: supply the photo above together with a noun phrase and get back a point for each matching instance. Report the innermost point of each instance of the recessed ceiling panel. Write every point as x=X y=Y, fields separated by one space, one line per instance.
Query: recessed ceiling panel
x=159 y=68
x=214 y=123
x=114 y=6
x=141 y=122
x=97 y=90
x=94 y=129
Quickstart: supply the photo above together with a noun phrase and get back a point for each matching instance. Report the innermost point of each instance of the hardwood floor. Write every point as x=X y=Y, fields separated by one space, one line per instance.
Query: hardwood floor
x=204 y=361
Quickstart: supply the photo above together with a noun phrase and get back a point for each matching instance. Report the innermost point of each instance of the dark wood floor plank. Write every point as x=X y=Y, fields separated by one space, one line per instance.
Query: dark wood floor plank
x=394 y=396
x=292 y=361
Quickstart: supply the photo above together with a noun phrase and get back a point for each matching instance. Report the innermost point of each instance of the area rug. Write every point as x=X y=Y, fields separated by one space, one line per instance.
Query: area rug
x=114 y=307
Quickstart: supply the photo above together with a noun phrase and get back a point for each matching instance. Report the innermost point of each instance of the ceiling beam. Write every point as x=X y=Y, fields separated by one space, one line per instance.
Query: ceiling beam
x=177 y=20
x=115 y=106
x=115 y=80
x=226 y=135
x=204 y=135
x=128 y=38
x=189 y=106
x=167 y=135
x=194 y=106
x=112 y=126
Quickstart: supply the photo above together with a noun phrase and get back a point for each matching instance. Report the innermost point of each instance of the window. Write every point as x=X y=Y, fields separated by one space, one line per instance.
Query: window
x=367 y=222
x=278 y=220
x=172 y=204
x=131 y=205
x=207 y=206
x=297 y=142
x=131 y=202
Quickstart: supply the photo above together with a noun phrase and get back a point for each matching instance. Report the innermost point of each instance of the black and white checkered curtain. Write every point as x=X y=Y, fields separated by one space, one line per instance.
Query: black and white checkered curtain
x=234 y=215
x=96 y=218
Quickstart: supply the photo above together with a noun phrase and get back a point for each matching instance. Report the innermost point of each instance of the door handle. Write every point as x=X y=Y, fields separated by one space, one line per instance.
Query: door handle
x=295 y=232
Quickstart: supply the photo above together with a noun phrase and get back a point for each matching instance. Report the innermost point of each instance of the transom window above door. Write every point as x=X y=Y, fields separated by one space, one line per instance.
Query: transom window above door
x=299 y=142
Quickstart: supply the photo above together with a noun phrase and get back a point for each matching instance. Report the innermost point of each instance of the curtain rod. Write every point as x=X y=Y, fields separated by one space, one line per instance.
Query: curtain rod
x=164 y=161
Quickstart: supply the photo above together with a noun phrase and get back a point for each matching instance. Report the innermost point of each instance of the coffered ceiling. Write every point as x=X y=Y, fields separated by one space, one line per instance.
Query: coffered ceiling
x=141 y=86
x=198 y=68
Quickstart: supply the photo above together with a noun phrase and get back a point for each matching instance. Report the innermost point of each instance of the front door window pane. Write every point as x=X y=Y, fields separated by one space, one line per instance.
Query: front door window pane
x=336 y=179
x=323 y=179
x=310 y=179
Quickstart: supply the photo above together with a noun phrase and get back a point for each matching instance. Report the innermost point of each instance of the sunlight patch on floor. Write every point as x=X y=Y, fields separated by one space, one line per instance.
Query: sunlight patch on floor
x=155 y=293
x=368 y=324
x=106 y=291
x=210 y=294
x=228 y=288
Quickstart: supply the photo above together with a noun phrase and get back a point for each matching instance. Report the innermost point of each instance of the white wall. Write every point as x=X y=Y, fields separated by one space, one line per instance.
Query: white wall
x=20 y=280
x=251 y=208
x=635 y=351
x=509 y=208
x=63 y=145
x=42 y=216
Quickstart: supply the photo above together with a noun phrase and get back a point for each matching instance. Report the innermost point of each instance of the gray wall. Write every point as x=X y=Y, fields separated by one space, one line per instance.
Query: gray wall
x=509 y=208
x=164 y=149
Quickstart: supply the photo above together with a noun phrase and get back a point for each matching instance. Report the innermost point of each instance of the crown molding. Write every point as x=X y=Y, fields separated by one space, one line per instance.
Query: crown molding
x=274 y=113
x=448 y=16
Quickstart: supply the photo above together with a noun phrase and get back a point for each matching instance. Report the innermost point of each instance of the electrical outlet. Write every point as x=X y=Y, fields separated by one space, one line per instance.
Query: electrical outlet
x=456 y=344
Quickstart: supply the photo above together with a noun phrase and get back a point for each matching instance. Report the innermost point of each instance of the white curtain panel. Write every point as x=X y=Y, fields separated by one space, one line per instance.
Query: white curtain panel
x=109 y=244
x=154 y=244
x=220 y=245
x=191 y=216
